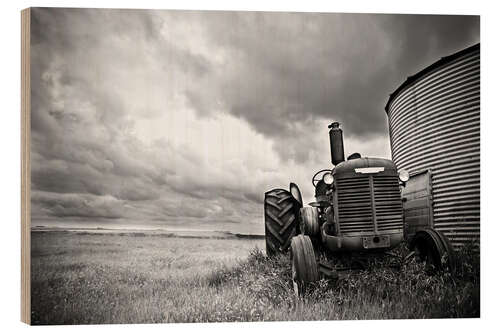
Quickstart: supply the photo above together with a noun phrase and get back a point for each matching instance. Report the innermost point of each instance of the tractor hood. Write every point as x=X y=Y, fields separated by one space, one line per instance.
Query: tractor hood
x=365 y=165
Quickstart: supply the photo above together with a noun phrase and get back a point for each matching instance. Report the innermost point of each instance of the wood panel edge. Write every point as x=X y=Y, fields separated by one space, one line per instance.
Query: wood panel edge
x=25 y=167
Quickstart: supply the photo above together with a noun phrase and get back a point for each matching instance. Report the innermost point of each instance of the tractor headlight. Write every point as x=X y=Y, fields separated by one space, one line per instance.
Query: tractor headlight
x=404 y=176
x=328 y=178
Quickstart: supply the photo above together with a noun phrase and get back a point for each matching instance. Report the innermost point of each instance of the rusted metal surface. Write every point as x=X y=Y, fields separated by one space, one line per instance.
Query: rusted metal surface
x=434 y=120
x=417 y=203
x=328 y=270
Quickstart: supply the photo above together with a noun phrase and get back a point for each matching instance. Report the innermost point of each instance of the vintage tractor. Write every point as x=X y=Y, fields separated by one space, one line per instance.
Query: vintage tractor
x=358 y=210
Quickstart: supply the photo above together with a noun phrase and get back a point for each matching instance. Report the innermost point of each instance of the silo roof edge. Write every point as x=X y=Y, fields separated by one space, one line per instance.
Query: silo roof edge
x=428 y=69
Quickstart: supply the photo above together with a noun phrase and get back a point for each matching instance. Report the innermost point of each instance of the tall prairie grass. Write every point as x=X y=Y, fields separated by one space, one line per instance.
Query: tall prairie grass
x=91 y=279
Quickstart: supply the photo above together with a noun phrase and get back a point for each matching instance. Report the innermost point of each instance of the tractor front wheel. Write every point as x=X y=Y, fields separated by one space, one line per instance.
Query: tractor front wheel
x=309 y=224
x=304 y=265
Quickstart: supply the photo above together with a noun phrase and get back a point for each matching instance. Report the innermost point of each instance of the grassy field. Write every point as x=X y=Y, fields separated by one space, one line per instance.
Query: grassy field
x=82 y=278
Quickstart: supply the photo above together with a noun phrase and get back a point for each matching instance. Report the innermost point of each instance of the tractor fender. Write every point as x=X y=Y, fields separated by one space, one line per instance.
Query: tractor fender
x=434 y=244
x=295 y=192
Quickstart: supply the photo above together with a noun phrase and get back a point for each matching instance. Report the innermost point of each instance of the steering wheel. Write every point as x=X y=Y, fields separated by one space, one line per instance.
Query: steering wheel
x=318 y=176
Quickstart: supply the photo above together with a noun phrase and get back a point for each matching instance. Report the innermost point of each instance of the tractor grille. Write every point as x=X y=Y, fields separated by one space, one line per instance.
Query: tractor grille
x=355 y=209
x=388 y=205
x=355 y=205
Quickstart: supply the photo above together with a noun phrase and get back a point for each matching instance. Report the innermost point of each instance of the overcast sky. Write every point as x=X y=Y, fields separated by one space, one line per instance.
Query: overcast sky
x=185 y=119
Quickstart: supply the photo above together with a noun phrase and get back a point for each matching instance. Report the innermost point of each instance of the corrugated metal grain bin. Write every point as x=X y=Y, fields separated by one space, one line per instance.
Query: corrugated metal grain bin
x=434 y=121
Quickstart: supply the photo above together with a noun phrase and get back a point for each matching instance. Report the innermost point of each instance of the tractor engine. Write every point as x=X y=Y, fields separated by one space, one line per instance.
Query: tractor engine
x=365 y=210
x=358 y=201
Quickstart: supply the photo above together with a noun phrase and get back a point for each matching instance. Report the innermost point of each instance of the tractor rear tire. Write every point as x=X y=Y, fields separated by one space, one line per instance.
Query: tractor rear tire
x=304 y=265
x=281 y=218
x=434 y=248
x=309 y=224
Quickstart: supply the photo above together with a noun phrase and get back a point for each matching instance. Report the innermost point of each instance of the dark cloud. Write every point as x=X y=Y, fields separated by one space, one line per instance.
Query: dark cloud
x=291 y=67
x=77 y=205
x=182 y=117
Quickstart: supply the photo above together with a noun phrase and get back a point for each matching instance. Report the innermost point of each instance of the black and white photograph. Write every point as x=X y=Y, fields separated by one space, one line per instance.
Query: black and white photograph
x=194 y=166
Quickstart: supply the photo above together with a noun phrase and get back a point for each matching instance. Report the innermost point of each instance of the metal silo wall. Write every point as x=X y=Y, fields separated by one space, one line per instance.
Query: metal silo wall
x=434 y=124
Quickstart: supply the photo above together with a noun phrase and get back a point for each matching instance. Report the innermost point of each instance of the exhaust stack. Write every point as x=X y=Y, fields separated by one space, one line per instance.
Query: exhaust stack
x=336 y=143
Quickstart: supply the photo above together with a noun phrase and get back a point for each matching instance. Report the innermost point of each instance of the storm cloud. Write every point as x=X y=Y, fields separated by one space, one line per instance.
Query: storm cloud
x=188 y=117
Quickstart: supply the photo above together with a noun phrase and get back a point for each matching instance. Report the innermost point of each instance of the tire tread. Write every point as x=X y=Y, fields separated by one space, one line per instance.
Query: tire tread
x=281 y=220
